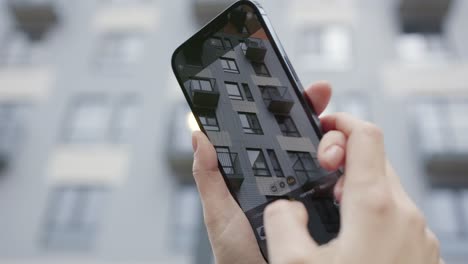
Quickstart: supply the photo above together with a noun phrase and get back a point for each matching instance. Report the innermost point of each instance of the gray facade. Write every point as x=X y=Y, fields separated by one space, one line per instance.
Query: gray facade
x=133 y=181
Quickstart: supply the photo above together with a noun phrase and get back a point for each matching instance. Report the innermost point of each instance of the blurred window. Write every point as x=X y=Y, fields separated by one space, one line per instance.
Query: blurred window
x=448 y=213
x=124 y=119
x=88 y=120
x=119 y=49
x=15 y=49
x=442 y=126
x=73 y=216
x=186 y=220
x=422 y=47
x=353 y=103
x=329 y=47
x=96 y=119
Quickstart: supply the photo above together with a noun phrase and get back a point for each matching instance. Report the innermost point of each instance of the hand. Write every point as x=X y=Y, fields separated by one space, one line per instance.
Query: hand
x=379 y=222
x=230 y=233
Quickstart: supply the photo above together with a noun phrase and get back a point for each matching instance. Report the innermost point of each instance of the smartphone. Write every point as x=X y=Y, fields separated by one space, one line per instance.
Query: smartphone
x=250 y=103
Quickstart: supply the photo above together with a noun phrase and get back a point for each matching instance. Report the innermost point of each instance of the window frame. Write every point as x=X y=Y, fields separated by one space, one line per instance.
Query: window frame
x=229 y=68
x=258 y=65
x=275 y=163
x=239 y=97
x=291 y=129
x=255 y=169
x=252 y=120
x=205 y=116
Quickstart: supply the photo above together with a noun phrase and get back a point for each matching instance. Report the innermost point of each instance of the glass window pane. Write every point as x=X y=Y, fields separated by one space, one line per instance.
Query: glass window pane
x=458 y=123
x=232 y=65
x=125 y=120
x=253 y=156
x=206 y=85
x=225 y=64
x=89 y=121
x=442 y=212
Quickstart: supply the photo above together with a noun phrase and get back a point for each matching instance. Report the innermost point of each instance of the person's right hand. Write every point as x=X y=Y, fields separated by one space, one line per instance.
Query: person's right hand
x=379 y=222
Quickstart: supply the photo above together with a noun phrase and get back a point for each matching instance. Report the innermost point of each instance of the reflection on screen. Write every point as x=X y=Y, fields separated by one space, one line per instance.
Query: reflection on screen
x=266 y=145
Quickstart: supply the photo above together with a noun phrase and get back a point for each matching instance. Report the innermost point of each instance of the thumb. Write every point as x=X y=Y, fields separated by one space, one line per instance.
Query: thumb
x=209 y=180
x=288 y=238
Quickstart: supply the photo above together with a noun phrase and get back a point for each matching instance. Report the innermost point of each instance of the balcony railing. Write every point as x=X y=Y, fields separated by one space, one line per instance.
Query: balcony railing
x=231 y=167
x=423 y=15
x=205 y=97
x=277 y=98
x=35 y=18
x=447 y=169
x=256 y=49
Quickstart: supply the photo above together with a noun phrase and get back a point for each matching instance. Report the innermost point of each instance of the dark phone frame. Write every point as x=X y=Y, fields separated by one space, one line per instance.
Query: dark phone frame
x=213 y=26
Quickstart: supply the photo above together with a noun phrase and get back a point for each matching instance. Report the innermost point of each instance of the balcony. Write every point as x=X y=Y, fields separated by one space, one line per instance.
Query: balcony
x=205 y=93
x=35 y=18
x=277 y=99
x=208 y=9
x=232 y=170
x=447 y=169
x=423 y=16
x=256 y=49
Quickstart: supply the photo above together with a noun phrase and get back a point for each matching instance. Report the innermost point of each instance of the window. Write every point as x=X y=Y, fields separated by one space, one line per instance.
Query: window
x=250 y=123
x=73 y=216
x=448 y=213
x=96 y=119
x=88 y=120
x=119 y=49
x=201 y=85
x=329 y=47
x=225 y=157
x=243 y=46
x=303 y=164
x=415 y=48
x=185 y=218
x=260 y=69
x=233 y=91
x=248 y=94
x=229 y=65
x=275 y=163
x=124 y=119
x=245 y=30
x=258 y=162
x=442 y=126
x=15 y=49
x=287 y=126
x=227 y=43
x=209 y=121
x=217 y=42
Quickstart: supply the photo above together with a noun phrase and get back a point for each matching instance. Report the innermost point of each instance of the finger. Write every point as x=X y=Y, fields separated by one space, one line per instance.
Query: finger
x=319 y=95
x=365 y=151
x=331 y=150
x=286 y=232
x=338 y=190
x=209 y=180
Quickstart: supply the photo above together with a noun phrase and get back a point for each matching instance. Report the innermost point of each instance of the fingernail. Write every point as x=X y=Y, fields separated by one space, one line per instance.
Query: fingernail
x=332 y=153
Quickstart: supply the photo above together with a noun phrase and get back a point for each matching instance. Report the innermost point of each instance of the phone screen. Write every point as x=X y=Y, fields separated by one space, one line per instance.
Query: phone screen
x=254 y=114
